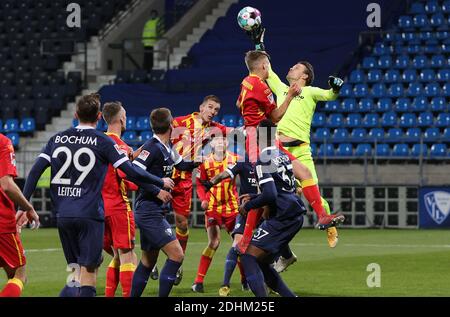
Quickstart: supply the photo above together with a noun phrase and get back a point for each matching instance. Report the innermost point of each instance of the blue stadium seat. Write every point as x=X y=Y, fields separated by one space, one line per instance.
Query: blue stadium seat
x=414 y=89
x=370 y=120
x=383 y=105
x=417 y=7
x=389 y=119
x=425 y=119
x=356 y=76
x=146 y=135
x=335 y=120
x=374 y=75
x=413 y=135
x=354 y=120
x=446 y=6
x=427 y=75
x=75 y=123
x=379 y=90
x=130 y=137
x=319 y=120
x=438 y=104
x=432 y=7
x=360 y=90
x=348 y=105
x=400 y=150
x=332 y=106
x=431 y=135
x=419 y=149
x=346 y=90
x=28 y=125
x=405 y=22
x=446 y=135
x=446 y=90
x=131 y=123
x=363 y=149
x=369 y=62
x=385 y=62
x=340 y=135
x=443 y=120
x=443 y=74
x=240 y=121
x=409 y=75
x=419 y=104
x=142 y=123
x=344 y=149
x=358 y=135
x=321 y=135
x=438 y=61
x=326 y=150
x=420 y=61
x=11 y=125
x=392 y=76
x=229 y=120
x=383 y=150
x=313 y=149
x=438 y=150
x=420 y=21
x=401 y=62
x=365 y=105
x=381 y=49
x=408 y=120
x=15 y=138
x=394 y=135
x=395 y=90
x=402 y=105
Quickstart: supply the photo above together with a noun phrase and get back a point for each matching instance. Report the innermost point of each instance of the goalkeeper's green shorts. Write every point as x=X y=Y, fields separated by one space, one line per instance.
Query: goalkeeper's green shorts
x=303 y=154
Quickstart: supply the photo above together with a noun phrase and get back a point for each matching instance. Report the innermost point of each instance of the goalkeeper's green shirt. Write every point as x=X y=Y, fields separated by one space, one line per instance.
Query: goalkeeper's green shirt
x=296 y=122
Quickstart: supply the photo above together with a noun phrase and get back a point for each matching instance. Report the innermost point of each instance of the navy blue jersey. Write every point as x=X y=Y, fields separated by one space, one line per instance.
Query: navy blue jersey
x=159 y=160
x=247 y=178
x=79 y=158
x=275 y=166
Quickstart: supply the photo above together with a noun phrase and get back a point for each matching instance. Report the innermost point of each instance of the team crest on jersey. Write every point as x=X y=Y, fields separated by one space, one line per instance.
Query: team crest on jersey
x=271 y=99
x=437 y=204
x=144 y=155
x=118 y=149
x=267 y=91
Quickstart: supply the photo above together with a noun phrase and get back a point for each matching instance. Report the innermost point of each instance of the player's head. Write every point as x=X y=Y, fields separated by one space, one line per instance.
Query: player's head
x=258 y=63
x=301 y=71
x=209 y=108
x=114 y=113
x=219 y=144
x=266 y=133
x=88 y=109
x=161 y=120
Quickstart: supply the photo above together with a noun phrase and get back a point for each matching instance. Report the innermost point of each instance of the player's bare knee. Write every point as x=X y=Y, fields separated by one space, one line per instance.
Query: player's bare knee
x=214 y=244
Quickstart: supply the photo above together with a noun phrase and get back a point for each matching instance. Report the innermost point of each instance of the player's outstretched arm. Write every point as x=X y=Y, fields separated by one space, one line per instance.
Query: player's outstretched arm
x=257 y=37
x=36 y=171
x=335 y=84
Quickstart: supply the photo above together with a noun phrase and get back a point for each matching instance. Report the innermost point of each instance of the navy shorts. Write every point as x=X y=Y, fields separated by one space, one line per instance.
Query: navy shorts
x=239 y=225
x=155 y=231
x=272 y=235
x=82 y=240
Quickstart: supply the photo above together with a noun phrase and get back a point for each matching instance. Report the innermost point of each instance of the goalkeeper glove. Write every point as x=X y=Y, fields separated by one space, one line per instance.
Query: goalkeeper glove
x=257 y=36
x=335 y=83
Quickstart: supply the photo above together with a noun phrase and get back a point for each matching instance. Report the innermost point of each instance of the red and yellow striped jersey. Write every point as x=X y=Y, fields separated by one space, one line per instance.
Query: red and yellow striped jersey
x=190 y=135
x=115 y=188
x=223 y=197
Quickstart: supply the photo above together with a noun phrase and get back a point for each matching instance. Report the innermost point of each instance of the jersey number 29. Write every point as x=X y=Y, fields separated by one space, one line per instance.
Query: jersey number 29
x=84 y=169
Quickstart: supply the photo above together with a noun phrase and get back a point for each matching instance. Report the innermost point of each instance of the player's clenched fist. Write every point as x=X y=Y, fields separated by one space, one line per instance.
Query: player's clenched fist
x=168 y=183
x=335 y=83
x=164 y=196
x=294 y=90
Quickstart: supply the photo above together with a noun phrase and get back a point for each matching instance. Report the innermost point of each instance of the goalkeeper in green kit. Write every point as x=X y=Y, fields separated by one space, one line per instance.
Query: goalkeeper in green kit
x=295 y=126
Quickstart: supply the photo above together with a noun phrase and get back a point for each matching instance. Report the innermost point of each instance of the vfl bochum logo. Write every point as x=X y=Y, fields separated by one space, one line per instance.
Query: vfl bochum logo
x=438 y=205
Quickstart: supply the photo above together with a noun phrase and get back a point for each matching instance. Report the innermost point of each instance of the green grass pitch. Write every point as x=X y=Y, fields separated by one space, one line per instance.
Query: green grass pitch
x=413 y=263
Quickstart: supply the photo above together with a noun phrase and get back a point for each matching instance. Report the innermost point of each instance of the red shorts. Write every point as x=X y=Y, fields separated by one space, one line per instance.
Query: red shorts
x=11 y=251
x=215 y=219
x=119 y=231
x=182 y=197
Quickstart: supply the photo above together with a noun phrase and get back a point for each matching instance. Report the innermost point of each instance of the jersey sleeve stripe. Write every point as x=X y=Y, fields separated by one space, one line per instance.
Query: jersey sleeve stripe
x=45 y=156
x=266 y=181
x=140 y=165
x=119 y=162
x=229 y=172
x=178 y=161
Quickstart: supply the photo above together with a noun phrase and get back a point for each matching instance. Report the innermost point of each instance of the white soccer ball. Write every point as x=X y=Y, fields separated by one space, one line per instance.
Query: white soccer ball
x=249 y=18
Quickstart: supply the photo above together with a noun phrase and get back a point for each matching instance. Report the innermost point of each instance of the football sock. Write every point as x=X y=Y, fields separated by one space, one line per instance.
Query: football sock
x=312 y=194
x=140 y=279
x=230 y=264
x=205 y=261
x=255 y=277
x=286 y=252
x=167 y=277
x=182 y=238
x=88 y=291
x=274 y=281
x=241 y=270
x=13 y=288
x=112 y=278
x=126 y=277
x=70 y=291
